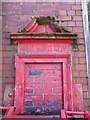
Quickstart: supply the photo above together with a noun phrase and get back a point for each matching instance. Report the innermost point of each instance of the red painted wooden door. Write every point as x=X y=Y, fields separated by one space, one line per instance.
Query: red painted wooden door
x=43 y=88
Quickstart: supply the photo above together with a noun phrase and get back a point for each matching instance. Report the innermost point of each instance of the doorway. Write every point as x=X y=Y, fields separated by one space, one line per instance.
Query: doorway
x=43 y=88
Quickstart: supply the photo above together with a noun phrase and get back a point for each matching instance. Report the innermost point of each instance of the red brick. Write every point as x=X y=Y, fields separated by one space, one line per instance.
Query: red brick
x=39 y=91
x=80 y=54
x=8 y=66
x=79 y=24
x=81 y=35
x=89 y=5
x=78 y=29
x=73 y=67
x=78 y=12
x=6 y=36
x=11 y=23
x=12 y=53
x=62 y=6
x=10 y=6
x=10 y=19
x=6 y=41
x=0 y=48
x=57 y=90
x=36 y=85
x=77 y=18
x=47 y=103
x=80 y=67
x=89 y=13
x=85 y=94
x=89 y=23
x=13 y=74
x=76 y=7
x=27 y=5
x=76 y=73
x=83 y=73
x=52 y=97
x=10 y=12
x=6 y=54
x=62 y=12
x=29 y=90
x=82 y=60
x=74 y=80
x=7 y=73
x=8 y=80
x=85 y=87
x=70 y=23
x=1 y=60
x=49 y=73
x=85 y=102
x=62 y=18
x=53 y=84
x=76 y=60
x=71 y=12
x=29 y=80
x=44 y=5
x=0 y=67
x=78 y=2
x=0 y=54
x=81 y=81
x=8 y=60
x=81 y=47
x=38 y=103
x=1 y=98
x=39 y=97
x=5 y=47
x=81 y=41
x=25 y=17
x=0 y=76
x=9 y=29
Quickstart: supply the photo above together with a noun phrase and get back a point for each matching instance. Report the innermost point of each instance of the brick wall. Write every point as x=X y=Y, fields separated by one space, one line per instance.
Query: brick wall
x=17 y=14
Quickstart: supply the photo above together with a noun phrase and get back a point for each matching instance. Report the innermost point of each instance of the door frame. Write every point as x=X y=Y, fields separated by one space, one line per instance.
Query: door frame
x=21 y=60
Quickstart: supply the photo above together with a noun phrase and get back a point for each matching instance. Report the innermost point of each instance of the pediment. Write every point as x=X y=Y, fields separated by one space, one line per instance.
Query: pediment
x=43 y=25
x=44 y=28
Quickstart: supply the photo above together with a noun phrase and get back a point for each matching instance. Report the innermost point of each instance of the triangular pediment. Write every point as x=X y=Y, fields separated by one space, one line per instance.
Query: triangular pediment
x=43 y=25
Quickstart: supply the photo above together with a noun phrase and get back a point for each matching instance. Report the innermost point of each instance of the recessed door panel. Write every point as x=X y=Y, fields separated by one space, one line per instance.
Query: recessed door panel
x=43 y=88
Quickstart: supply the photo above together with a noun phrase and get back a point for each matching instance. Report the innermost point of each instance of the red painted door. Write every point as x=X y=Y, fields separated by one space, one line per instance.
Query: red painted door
x=43 y=88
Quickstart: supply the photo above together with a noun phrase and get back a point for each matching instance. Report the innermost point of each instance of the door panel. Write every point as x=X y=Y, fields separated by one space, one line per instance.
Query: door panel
x=43 y=88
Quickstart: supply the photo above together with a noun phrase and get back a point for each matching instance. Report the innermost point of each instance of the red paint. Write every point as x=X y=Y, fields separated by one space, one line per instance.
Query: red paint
x=21 y=62
x=34 y=27
x=46 y=75
x=77 y=97
x=50 y=60
x=9 y=111
x=84 y=114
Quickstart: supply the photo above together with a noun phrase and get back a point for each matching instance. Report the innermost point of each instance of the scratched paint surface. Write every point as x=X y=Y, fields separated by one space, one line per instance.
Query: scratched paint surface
x=43 y=88
x=48 y=48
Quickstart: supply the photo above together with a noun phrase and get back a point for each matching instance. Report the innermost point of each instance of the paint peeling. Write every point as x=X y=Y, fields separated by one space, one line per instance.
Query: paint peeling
x=34 y=72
